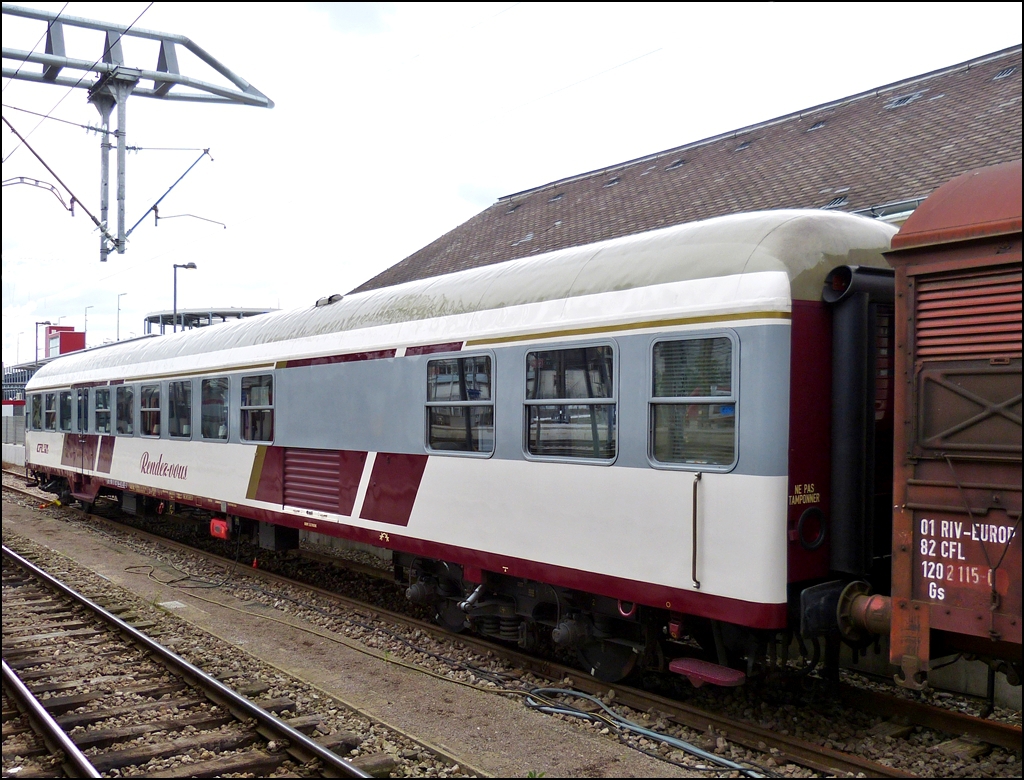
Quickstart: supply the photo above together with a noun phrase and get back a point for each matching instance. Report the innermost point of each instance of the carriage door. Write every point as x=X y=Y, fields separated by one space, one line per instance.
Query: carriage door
x=85 y=455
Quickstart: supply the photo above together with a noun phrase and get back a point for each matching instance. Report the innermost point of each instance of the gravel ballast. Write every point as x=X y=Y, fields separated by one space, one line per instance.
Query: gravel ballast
x=483 y=732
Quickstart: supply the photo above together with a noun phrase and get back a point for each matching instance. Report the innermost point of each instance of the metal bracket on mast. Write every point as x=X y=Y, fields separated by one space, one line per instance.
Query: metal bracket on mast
x=115 y=83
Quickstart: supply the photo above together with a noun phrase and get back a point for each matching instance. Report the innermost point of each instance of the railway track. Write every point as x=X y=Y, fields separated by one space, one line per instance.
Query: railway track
x=783 y=747
x=59 y=651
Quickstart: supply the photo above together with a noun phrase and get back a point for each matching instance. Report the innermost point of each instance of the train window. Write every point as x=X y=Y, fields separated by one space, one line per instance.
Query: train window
x=693 y=402
x=83 y=410
x=570 y=403
x=101 y=409
x=125 y=401
x=258 y=408
x=50 y=416
x=65 y=410
x=36 y=418
x=460 y=406
x=150 y=410
x=215 y=409
x=179 y=409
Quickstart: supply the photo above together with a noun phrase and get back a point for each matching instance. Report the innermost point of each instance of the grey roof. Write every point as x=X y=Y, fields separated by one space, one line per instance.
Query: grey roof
x=892 y=144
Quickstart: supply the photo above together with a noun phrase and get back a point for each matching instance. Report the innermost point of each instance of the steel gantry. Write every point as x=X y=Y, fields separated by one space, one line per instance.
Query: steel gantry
x=114 y=83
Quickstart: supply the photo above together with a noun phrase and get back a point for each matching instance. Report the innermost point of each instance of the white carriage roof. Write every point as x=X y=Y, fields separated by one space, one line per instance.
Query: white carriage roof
x=803 y=244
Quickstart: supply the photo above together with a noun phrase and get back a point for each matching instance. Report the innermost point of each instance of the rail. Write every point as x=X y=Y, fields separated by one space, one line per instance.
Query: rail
x=268 y=724
x=75 y=762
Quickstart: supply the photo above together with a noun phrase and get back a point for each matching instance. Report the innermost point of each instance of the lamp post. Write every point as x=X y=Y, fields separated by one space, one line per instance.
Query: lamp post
x=44 y=322
x=119 y=296
x=85 y=328
x=187 y=266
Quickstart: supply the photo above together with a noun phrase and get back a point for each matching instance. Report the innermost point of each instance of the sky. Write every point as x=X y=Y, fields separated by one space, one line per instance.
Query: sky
x=395 y=123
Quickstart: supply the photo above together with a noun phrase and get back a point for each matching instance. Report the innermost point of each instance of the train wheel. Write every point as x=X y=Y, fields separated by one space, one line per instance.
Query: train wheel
x=450 y=617
x=609 y=661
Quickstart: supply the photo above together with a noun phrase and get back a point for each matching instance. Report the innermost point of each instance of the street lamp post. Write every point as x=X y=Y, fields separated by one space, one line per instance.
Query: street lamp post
x=119 y=296
x=187 y=266
x=85 y=327
x=44 y=322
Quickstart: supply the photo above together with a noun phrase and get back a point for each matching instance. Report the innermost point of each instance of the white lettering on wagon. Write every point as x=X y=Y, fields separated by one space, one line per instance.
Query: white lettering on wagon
x=44 y=448
x=158 y=468
x=948 y=543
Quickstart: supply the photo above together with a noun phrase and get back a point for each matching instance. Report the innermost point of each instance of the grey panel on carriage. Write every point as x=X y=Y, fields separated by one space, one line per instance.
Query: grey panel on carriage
x=380 y=405
x=803 y=244
x=372 y=405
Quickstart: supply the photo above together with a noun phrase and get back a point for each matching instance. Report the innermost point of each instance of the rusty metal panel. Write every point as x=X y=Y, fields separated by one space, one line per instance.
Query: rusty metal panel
x=967 y=544
x=969 y=406
x=978 y=204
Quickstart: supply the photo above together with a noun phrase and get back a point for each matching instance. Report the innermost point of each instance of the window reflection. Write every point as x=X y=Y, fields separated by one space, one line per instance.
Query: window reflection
x=258 y=408
x=570 y=409
x=214 y=420
x=125 y=401
x=693 y=409
x=179 y=409
x=37 y=412
x=460 y=411
x=150 y=410
x=101 y=399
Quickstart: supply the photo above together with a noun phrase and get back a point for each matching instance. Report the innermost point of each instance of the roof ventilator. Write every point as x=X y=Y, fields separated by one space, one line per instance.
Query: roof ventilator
x=677 y=164
x=555 y=198
x=836 y=202
x=612 y=182
x=817 y=125
x=742 y=146
x=329 y=299
x=903 y=100
x=1005 y=72
x=512 y=208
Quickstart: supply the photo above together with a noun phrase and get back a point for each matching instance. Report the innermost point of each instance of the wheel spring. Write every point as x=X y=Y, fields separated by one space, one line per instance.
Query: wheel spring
x=488 y=625
x=509 y=630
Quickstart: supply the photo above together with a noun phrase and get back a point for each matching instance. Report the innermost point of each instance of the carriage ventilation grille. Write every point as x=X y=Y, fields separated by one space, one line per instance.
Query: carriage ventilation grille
x=969 y=316
x=311 y=479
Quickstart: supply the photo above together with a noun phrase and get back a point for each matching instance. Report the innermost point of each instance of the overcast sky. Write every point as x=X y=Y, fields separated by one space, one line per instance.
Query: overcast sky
x=395 y=123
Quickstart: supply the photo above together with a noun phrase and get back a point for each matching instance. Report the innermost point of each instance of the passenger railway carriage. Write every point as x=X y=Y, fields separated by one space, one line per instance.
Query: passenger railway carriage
x=623 y=446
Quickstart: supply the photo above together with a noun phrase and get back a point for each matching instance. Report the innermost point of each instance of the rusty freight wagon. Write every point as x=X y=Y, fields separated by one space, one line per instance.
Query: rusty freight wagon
x=956 y=557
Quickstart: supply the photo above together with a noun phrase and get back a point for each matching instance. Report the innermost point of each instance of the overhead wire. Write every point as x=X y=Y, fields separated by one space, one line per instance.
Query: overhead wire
x=74 y=198
x=81 y=78
x=96 y=129
x=589 y=78
x=52 y=118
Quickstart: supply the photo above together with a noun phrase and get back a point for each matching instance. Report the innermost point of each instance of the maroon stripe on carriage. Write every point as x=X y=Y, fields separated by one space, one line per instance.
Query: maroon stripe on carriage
x=429 y=349
x=106 y=454
x=350 y=357
x=394 y=483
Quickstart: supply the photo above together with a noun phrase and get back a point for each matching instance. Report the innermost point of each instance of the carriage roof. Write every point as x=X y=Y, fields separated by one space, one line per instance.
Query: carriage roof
x=802 y=243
